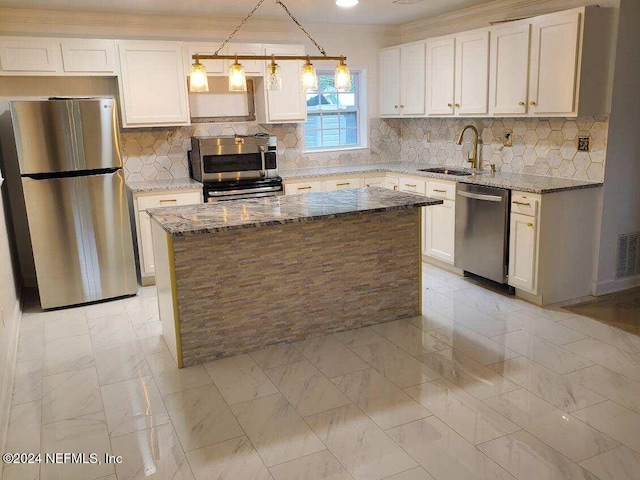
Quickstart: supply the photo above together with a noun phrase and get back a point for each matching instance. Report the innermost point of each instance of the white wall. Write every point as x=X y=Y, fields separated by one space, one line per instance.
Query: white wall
x=621 y=199
x=9 y=319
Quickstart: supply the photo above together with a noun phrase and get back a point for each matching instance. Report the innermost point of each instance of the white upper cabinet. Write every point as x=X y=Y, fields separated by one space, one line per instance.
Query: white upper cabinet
x=221 y=67
x=290 y=104
x=554 y=63
x=509 y=77
x=389 y=62
x=440 y=76
x=30 y=56
x=402 y=80
x=95 y=57
x=153 y=87
x=472 y=73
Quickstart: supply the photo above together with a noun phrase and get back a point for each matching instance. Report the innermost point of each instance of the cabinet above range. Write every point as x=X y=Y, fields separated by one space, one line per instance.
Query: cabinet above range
x=550 y=65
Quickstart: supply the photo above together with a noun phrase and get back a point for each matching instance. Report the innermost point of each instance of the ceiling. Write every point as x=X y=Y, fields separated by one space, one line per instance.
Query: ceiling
x=368 y=12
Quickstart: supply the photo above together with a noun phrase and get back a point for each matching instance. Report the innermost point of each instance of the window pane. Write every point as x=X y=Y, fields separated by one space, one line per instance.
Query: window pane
x=325 y=83
x=350 y=136
x=313 y=122
x=312 y=138
x=348 y=120
x=313 y=101
x=331 y=138
x=347 y=100
x=330 y=120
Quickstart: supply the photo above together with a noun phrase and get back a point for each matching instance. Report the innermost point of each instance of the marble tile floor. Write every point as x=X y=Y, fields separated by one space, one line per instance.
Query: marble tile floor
x=480 y=386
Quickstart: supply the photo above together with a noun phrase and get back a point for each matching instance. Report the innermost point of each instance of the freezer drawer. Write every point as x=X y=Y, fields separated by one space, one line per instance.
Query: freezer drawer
x=482 y=227
x=81 y=236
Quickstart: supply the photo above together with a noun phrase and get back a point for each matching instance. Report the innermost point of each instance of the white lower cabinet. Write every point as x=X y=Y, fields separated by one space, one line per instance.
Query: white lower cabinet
x=412 y=185
x=391 y=183
x=141 y=203
x=523 y=252
x=440 y=222
x=374 y=182
x=291 y=188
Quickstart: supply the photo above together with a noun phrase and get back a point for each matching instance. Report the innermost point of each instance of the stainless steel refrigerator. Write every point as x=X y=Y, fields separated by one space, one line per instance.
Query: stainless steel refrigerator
x=75 y=198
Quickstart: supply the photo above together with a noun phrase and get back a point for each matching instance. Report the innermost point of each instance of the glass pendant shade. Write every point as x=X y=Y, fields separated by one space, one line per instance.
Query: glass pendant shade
x=346 y=3
x=237 y=78
x=342 y=78
x=309 y=77
x=198 y=81
x=274 y=79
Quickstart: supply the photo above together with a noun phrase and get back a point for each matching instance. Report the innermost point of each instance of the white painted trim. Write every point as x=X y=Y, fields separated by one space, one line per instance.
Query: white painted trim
x=612 y=286
x=6 y=389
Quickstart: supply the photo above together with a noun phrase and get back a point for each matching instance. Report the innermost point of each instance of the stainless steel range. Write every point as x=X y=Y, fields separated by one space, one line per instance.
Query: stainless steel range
x=235 y=167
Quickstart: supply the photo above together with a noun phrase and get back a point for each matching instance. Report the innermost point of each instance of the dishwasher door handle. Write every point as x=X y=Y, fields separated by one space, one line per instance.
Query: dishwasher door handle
x=479 y=196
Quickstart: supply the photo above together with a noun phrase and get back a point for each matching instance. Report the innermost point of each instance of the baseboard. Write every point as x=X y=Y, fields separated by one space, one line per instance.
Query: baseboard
x=6 y=388
x=612 y=286
x=441 y=264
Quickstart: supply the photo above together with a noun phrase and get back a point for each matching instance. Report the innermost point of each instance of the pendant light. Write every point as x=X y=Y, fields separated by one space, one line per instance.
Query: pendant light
x=346 y=3
x=273 y=80
x=308 y=76
x=198 y=81
x=237 y=78
x=342 y=77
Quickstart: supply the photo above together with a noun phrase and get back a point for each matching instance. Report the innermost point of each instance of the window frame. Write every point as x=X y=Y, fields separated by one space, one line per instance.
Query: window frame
x=362 y=118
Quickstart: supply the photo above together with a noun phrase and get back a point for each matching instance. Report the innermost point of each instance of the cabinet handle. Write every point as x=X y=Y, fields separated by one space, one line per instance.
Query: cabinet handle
x=529 y=224
x=170 y=200
x=409 y=185
x=304 y=188
x=395 y=187
x=395 y=106
x=532 y=103
x=522 y=104
x=401 y=106
x=521 y=203
x=439 y=191
x=342 y=184
x=457 y=105
x=449 y=105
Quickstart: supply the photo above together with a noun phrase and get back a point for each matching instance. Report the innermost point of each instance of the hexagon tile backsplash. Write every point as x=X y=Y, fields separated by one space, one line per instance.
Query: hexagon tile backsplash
x=543 y=146
x=540 y=146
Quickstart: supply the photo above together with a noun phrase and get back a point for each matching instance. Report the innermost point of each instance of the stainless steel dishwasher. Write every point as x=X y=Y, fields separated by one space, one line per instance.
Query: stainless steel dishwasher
x=482 y=228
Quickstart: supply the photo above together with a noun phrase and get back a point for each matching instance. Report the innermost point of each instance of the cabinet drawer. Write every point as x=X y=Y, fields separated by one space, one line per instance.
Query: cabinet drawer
x=168 y=200
x=342 y=183
x=441 y=190
x=524 y=204
x=412 y=185
x=303 y=187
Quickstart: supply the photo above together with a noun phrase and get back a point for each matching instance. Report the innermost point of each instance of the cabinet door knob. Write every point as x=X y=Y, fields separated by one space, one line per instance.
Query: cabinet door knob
x=395 y=106
x=529 y=224
x=457 y=105
x=401 y=106
x=532 y=103
x=449 y=105
x=522 y=104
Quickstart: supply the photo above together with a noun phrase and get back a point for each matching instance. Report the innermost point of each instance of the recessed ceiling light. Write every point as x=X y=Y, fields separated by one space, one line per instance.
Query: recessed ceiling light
x=346 y=3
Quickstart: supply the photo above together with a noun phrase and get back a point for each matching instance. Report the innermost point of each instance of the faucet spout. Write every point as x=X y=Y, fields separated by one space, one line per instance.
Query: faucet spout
x=473 y=157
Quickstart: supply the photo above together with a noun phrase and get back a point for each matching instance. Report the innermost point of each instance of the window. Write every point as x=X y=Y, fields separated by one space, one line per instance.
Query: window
x=333 y=117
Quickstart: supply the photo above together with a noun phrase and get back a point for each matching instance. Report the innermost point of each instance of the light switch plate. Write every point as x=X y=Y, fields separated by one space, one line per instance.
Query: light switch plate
x=584 y=144
x=507 y=139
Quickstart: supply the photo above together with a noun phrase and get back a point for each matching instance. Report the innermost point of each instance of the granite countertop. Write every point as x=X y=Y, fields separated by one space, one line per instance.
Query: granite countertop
x=523 y=182
x=262 y=212
x=163 y=185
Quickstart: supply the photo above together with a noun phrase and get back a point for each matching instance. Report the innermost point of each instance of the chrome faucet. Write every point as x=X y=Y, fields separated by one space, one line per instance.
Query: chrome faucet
x=474 y=158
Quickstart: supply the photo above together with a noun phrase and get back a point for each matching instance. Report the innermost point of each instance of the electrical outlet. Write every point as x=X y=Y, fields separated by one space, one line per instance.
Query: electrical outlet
x=427 y=136
x=584 y=144
x=507 y=139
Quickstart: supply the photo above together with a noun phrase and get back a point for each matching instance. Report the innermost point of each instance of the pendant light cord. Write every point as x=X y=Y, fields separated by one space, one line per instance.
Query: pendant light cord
x=245 y=19
x=295 y=20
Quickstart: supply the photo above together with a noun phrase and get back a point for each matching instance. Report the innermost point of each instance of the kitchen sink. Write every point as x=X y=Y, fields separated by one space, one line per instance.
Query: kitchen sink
x=446 y=171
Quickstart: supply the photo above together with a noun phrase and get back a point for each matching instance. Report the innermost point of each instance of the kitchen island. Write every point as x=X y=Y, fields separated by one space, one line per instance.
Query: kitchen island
x=238 y=276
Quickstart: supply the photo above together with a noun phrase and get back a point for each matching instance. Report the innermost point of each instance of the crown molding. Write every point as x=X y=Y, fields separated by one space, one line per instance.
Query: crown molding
x=481 y=15
x=66 y=23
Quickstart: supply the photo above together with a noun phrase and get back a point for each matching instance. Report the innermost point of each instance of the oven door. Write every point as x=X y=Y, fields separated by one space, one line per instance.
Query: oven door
x=212 y=195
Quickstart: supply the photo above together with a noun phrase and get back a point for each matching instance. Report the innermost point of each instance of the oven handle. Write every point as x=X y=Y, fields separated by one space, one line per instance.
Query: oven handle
x=225 y=193
x=263 y=170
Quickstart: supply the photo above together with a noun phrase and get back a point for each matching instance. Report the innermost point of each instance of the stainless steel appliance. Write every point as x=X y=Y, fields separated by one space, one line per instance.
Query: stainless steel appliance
x=482 y=229
x=76 y=205
x=234 y=167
